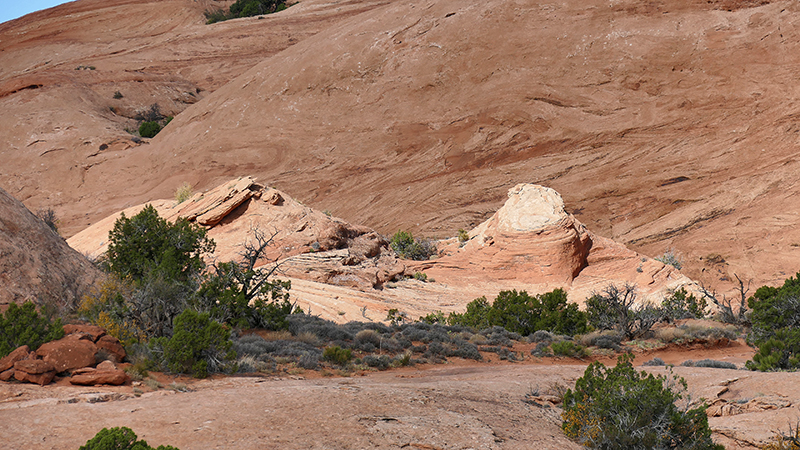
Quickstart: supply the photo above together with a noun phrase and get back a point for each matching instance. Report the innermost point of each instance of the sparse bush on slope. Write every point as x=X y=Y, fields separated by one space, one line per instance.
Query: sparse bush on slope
x=246 y=8
x=616 y=309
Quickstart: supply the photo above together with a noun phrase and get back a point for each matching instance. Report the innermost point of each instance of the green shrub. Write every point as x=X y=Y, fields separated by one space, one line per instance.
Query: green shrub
x=149 y=129
x=246 y=8
x=22 y=325
x=198 y=345
x=521 y=313
x=119 y=438
x=337 y=355
x=781 y=351
x=475 y=316
x=463 y=236
x=244 y=297
x=146 y=243
x=774 y=308
x=681 y=305
x=619 y=408
x=569 y=349
x=117 y=95
x=775 y=320
x=434 y=317
x=407 y=247
x=617 y=309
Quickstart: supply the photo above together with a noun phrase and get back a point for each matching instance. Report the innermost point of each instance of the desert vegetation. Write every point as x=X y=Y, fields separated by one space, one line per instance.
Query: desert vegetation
x=246 y=8
x=620 y=408
x=120 y=438
x=408 y=247
x=23 y=325
x=151 y=121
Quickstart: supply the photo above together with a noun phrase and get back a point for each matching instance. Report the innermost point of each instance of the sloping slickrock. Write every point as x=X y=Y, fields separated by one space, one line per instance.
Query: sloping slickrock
x=231 y=213
x=35 y=262
x=68 y=353
x=211 y=207
x=19 y=354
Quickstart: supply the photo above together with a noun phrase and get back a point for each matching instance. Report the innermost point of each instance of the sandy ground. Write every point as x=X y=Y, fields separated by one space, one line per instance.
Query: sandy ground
x=456 y=405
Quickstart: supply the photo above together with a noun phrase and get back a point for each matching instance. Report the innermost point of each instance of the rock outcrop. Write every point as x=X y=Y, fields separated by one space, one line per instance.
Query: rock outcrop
x=105 y=373
x=305 y=243
x=74 y=351
x=532 y=237
x=533 y=243
x=75 y=354
x=36 y=263
x=34 y=371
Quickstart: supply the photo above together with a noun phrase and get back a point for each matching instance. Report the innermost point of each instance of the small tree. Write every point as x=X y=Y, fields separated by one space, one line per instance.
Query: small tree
x=22 y=325
x=146 y=244
x=726 y=305
x=198 y=345
x=244 y=296
x=679 y=304
x=620 y=408
x=617 y=309
x=775 y=328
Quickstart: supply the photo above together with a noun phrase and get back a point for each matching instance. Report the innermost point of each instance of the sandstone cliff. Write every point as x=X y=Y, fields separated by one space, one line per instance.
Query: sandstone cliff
x=36 y=263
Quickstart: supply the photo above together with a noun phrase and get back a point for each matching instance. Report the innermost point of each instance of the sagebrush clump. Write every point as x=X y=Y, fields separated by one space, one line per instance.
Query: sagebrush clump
x=408 y=247
x=619 y=408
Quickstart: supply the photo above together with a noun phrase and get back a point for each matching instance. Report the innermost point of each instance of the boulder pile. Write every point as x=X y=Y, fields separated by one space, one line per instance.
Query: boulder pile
x=74 y=356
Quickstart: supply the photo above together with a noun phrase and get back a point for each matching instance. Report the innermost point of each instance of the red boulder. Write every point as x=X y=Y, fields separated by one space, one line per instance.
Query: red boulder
x=71 y=352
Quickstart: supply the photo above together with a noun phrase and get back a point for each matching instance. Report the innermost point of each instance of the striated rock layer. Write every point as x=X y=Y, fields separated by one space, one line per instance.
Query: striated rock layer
x=532 y=243
x=306 y=243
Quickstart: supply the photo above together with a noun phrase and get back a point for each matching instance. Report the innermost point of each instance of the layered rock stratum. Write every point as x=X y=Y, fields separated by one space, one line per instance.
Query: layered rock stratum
x=345 y=272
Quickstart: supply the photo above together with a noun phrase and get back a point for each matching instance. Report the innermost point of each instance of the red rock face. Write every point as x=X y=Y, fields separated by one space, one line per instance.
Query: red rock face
x=93 y=330
x=40 y=379
x=17 y=355
x=93 y=377
x=71 y=352
x=112 y=346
